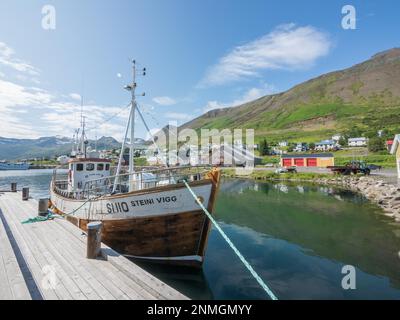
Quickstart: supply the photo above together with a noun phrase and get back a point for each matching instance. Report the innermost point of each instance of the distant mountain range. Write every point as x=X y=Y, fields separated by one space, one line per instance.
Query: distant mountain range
x=359 y=100
x=47 y=147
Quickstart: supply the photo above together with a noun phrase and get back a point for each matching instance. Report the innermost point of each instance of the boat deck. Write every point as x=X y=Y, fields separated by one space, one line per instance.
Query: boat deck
x=47 y=261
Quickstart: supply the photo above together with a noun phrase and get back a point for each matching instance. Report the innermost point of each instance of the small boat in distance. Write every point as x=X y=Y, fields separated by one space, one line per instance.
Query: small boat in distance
x=5 y=165
x=149 y=214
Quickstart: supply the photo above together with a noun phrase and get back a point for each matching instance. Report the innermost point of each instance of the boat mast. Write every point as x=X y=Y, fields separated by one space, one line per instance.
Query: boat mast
x=83 y=138
x=131 y=124
x=132 y=89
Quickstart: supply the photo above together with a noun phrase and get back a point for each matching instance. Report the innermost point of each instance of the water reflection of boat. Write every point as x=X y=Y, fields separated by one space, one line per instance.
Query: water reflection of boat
x=191 y=282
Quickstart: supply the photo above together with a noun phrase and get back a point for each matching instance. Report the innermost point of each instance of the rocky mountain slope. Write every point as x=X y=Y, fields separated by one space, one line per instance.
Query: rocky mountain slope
x=360 y=99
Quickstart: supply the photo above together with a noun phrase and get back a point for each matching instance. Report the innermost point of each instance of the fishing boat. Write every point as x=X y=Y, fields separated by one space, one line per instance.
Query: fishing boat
x=5 y=165
x=148 y=214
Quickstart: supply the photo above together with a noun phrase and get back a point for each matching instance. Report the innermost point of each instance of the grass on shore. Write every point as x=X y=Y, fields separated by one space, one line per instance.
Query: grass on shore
x=44 y=162
x=386 y=161
x=271 y=175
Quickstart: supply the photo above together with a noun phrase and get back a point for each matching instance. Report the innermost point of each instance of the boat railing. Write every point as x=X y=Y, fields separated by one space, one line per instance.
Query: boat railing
x=142 y=180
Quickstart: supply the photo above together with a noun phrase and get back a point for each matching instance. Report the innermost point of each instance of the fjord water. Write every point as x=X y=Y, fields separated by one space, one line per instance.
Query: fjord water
x=297 y=237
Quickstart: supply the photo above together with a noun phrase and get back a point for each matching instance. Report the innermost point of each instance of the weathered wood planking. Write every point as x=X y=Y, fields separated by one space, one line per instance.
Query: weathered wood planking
x=60 y=246
x=12 y=283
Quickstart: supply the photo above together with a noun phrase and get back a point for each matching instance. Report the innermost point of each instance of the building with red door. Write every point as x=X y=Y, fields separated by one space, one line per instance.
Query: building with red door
x=321 y=160
x=389 y=144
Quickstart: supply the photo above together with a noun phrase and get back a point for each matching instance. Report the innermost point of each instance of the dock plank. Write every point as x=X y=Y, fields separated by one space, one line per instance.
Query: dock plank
x=121 y=285
x=11 y=277
x=62 y=246
x=34 y=256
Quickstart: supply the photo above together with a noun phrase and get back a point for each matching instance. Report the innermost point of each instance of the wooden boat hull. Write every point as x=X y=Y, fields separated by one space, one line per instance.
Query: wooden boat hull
x=178 y=235
x=175 y=238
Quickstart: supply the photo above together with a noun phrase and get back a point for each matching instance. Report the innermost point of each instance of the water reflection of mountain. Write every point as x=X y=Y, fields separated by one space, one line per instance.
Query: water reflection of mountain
x=350 y=230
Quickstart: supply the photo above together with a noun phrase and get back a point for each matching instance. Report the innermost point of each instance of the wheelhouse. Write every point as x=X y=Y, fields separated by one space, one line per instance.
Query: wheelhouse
x=80 y=171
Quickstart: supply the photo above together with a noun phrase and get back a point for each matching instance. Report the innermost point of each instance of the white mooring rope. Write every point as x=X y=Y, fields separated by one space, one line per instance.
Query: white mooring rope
x=237 y=252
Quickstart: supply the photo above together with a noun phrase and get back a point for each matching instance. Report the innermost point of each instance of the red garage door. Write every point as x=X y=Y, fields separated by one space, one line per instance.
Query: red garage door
x=312 y=162
x=299 y=162
x=287 y=162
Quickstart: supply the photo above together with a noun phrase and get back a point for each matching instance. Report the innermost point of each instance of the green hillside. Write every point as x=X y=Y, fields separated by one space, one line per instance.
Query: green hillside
x=358 y=100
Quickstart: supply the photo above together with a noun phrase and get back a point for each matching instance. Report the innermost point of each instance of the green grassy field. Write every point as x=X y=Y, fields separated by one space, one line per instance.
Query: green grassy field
x=344 y=156
x=141 y=162
x=386 y=161
x=44 y=162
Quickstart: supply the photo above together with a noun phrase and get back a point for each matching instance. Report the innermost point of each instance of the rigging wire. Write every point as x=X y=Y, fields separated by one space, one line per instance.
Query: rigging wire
x=110 y=118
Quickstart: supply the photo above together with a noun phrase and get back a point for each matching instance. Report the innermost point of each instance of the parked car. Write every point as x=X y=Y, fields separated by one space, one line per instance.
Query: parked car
x=286 y=170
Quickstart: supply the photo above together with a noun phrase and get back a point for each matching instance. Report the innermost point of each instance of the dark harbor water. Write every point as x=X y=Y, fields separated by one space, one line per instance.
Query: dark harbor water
x=297 y=237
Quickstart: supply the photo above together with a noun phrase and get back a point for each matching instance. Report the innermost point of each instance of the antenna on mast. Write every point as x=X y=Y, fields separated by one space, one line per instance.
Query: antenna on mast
x=131 y=124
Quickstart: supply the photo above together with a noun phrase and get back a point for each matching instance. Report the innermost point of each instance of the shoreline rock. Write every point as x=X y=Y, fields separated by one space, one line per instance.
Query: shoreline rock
x=385 y=195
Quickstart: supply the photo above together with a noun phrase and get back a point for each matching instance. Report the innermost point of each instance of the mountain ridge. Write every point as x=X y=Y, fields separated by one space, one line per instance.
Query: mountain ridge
x=48 y=147
x=324 y=105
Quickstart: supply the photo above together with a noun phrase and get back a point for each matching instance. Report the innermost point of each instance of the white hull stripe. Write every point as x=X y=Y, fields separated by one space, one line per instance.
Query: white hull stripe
x=135 y=206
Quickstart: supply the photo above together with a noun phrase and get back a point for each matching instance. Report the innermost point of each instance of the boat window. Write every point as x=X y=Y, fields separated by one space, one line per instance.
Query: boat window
x=79 y=167
x=100 y=166
x=90 y=167
x=107 y=166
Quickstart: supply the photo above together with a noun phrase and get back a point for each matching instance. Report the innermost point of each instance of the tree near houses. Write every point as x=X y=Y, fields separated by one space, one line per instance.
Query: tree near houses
x=343 y=141
x=376 y=144
x=264 y=148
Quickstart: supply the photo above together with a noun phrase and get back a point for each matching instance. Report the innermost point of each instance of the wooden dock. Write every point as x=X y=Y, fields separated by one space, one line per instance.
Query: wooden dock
x=47 y=261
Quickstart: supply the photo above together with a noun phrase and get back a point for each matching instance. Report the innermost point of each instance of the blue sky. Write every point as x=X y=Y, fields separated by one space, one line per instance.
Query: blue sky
x=199 y=55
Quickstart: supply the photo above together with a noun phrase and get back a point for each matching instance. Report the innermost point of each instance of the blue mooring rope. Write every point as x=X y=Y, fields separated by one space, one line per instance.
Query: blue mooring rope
x=247 y=265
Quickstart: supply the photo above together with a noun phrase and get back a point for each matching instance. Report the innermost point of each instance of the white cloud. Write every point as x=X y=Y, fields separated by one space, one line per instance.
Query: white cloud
x=34 y=112
x=7 y=58
x=14 y=99
x=287 y=47
x=164 y=101
x=178 y=116
x=250 y=95
x=13 y=95
x=75 y=96
x=31 y=112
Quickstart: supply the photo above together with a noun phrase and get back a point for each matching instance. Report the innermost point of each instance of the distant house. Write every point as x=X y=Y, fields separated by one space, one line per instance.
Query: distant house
x=276 y=150
x=63 y=160
x=357 y=142
x=325 y=145
x=396 y=150
x=283 y=144
x=322 y=160
x=301 y=147
x=336 y=138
